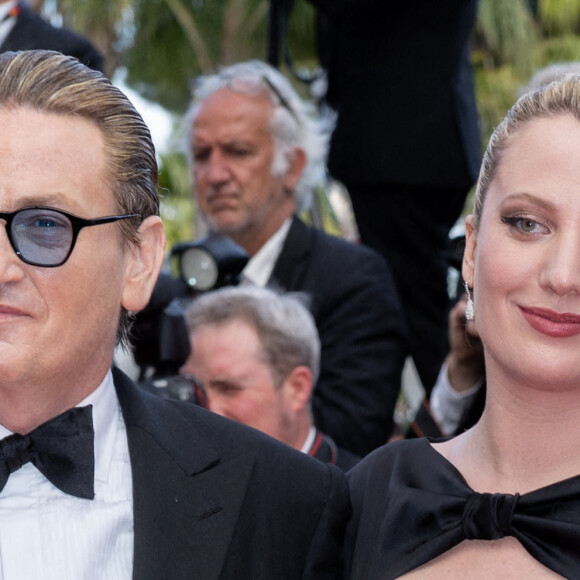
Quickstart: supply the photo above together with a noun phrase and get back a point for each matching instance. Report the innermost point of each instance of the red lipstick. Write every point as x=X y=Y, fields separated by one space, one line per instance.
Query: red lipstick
x=552 y=323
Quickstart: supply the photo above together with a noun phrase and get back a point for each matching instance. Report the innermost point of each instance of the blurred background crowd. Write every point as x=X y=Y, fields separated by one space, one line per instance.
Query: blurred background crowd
x=154 y=47
x=415 y=93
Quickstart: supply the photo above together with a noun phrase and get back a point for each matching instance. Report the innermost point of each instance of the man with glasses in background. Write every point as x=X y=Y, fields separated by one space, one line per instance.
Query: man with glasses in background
x=257 y=153
x=98 y=479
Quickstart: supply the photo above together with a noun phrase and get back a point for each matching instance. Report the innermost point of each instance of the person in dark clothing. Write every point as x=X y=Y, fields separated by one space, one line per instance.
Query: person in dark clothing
x=23 y=29
x=406 y=144
x=257 y=149
x=256 y=354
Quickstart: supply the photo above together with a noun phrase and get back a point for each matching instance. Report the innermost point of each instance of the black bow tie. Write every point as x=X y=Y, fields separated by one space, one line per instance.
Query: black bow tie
x=62 y=449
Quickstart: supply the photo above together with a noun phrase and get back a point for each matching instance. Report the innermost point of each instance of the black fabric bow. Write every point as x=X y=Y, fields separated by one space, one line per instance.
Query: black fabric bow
x=440 y=510
x=62 y=449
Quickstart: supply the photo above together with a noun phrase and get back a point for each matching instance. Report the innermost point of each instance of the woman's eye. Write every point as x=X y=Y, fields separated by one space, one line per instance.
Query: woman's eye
x=528 y=225
x=524 y=224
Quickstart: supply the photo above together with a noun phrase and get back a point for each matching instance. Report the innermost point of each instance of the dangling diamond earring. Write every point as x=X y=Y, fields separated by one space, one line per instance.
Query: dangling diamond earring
x=469 y=311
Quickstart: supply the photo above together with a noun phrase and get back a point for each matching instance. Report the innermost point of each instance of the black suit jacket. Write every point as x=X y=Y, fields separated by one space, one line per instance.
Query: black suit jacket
x=33 y=32
x=216 y=500
x=401 y=81
x=363 y=341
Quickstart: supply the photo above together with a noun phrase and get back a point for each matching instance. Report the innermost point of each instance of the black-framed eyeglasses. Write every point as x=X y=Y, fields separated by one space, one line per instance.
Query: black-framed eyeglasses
x=45 y=236
x=252 y=84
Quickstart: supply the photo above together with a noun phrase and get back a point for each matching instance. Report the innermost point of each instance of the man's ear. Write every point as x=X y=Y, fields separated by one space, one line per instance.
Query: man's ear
x=143 y=264
x=468 y=266
x=296 y=164
x=298 y=388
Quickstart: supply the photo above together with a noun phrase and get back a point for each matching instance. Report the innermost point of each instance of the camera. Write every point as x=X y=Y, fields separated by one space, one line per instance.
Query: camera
x=160 y=336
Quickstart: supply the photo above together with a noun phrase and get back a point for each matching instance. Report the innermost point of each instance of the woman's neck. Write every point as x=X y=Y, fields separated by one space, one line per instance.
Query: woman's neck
x=527 y=438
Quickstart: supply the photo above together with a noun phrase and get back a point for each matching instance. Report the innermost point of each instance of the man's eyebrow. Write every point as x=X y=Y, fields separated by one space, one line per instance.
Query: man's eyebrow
x=53 y=199
x=223 y=383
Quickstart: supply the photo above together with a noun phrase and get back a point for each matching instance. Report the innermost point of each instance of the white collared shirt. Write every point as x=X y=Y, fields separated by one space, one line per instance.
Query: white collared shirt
x=46 y=534
x=6 y=25
x=448 y=405
x=260 y=266
x=309 y=440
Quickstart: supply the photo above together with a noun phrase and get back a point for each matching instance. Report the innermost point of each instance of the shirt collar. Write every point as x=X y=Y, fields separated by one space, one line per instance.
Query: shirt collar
x=6 y=7
x=309 y=440
x=106 y=414
x=260 y=266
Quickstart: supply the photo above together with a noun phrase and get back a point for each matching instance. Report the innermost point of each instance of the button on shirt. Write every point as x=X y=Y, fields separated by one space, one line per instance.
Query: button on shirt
x=49 y=535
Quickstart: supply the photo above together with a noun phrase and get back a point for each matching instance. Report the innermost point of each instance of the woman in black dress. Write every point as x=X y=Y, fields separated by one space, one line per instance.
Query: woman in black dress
x=501 y=500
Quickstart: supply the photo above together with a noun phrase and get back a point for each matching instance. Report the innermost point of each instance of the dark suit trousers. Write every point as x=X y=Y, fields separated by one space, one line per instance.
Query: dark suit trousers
x=410 y=226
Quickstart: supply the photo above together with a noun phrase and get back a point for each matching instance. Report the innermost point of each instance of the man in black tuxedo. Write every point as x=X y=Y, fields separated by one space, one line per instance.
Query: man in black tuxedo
x=23 y=29
x=406 y=144
x=257 y=152
x=99 y=479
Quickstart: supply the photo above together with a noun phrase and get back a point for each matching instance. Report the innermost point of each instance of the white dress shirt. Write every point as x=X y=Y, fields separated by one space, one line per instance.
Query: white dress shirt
x=309 y=440
x=6 y=24
x=261 y=265
x=46 y=534
x=448 y=405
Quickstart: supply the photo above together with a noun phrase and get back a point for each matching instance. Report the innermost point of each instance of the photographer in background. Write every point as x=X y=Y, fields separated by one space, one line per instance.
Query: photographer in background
x=256 y=151
x=458 y=396
x=407 y=144
x=256 y=354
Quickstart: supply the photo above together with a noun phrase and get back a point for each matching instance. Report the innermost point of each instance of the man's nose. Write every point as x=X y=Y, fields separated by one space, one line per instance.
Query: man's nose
x=561 y=271
x=11 y=266
x=218 y=169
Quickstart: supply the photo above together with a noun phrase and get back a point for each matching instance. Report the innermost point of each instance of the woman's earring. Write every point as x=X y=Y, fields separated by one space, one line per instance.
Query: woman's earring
x=469 y=312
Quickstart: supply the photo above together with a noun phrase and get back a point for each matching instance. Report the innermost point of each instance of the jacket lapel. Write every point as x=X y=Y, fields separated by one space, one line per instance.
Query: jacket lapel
x=291 y=264
x=186 y=500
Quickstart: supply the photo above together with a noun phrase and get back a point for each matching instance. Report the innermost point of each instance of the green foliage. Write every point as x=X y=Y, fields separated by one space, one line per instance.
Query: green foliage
x=564 y=48
x=177 y=208
x=510 y=45
x=301 y=34
x=166 y=53
x=506 y=32
x=165 y=43
x=559 y=16
x=160 y=62
x=497 y=90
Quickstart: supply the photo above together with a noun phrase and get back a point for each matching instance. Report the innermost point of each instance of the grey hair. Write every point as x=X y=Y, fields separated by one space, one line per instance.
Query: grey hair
x=561 y=97
x=284 y=325
x=50 y=82
x=546 y=75
x=310 y=131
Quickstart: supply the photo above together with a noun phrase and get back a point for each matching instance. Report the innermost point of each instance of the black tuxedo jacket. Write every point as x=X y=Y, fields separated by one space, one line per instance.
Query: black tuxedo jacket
x=33 y=32
x=401 y=80
x=363 y=340
x=216 y=500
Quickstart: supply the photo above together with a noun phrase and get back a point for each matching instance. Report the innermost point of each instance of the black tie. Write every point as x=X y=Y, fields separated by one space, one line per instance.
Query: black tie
x=62 y=449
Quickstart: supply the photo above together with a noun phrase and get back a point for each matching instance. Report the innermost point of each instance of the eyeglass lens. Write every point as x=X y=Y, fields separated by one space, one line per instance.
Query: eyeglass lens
x=42 y=236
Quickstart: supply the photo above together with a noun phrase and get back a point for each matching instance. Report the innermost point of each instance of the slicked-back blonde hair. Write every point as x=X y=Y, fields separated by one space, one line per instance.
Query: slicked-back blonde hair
x=561 y=97
x=50 y=82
